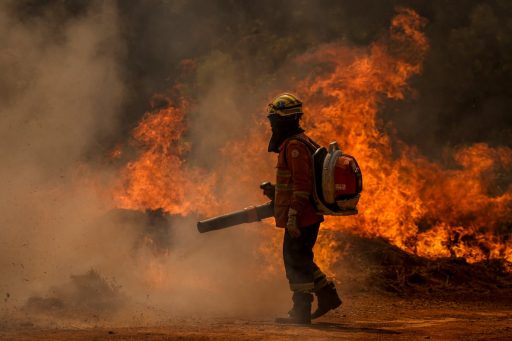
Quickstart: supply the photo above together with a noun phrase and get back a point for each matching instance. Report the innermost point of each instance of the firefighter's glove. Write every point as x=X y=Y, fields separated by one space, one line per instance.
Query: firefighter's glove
x=269 y=190
x=291 y=225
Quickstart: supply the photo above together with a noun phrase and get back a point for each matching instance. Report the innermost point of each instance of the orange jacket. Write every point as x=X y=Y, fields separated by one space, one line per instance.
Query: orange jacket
x=294 y=183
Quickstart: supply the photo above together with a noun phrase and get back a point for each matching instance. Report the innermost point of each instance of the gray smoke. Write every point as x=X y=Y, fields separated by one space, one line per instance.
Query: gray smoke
x=61 y=90
x=77 y=76
x=462 y=97
x=64 y=98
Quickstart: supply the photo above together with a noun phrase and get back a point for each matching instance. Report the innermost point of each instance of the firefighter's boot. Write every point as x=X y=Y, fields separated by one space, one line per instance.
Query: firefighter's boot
x=301 y=311
x=328 y=299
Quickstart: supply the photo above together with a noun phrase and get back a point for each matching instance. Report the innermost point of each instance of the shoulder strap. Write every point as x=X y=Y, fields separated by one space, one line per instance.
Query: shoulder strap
x=310 y=144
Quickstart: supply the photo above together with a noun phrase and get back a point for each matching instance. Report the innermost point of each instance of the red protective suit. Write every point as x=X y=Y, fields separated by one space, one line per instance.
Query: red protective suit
x=294 y=183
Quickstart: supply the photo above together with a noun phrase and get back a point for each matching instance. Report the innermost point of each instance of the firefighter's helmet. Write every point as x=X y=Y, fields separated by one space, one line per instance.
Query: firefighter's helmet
x=285 y=104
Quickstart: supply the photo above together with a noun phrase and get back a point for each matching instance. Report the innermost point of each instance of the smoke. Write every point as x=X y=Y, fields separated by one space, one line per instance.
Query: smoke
x=244 y=53
x=462 y=96
x=78 y=76
x=63 y=98
x=60 y=91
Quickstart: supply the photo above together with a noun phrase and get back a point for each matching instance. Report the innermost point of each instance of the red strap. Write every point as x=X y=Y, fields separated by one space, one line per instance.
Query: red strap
x=312 y=146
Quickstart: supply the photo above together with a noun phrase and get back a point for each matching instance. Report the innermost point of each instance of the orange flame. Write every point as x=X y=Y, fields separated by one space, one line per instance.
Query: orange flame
x=416 y=204
x=160 y=177
x=400 y=193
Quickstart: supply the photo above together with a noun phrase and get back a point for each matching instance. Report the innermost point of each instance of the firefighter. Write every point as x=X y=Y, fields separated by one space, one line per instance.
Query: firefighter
x=294 y=211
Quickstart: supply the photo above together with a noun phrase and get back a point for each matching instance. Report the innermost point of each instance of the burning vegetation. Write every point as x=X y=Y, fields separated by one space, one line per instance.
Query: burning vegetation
x=435 y=215
x=160 y=177
x=422 y=207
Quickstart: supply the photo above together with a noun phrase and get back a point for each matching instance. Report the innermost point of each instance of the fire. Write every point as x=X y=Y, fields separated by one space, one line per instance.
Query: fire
x=418 y=205
x=160 y=178
x=414 y=203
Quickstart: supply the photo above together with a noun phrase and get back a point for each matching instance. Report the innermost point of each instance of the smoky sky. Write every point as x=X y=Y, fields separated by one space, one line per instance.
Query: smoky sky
x=78 y=75
x=463 y=95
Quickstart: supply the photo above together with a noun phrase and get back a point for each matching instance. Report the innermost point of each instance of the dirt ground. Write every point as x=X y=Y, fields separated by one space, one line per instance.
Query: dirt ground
x=360 y=318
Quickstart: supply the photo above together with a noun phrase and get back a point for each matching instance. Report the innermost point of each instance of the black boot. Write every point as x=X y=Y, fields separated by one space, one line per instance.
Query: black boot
x=301 y=311
x=328 y=299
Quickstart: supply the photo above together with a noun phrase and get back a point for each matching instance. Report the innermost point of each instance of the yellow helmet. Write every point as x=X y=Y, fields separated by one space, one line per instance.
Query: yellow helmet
x=285 y=104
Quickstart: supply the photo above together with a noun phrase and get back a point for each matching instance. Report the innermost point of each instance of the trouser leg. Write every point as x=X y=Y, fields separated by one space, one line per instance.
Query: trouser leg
x=320 y=279
x=301 y=270
x=302 y=273
x=304 y=276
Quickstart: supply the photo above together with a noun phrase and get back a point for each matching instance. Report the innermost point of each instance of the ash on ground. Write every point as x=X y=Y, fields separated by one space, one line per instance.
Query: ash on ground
x=84 y=295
